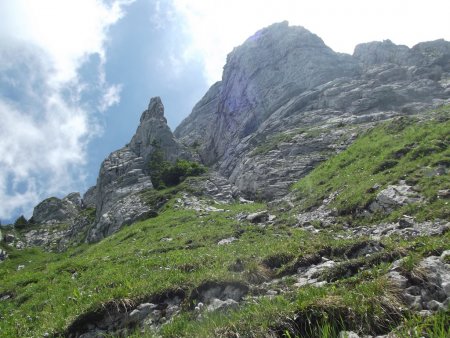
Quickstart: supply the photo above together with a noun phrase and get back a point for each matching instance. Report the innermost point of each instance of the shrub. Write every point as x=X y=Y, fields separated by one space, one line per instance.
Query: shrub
x=165 y=174
x=21 y=222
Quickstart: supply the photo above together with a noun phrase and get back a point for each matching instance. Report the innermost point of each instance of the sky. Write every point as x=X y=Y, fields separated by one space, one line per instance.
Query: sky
x=75 y=75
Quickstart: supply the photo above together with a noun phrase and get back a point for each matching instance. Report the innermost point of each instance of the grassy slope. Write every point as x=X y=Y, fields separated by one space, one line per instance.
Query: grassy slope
x=135 y=262
x=403 y=149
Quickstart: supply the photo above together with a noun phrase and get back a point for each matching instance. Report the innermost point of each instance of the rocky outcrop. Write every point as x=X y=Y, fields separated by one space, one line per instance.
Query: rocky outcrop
x=286 y=102
x=154 y=131
x=429 y=293
x=125 y=173
x=54 y=210
x=393 y=197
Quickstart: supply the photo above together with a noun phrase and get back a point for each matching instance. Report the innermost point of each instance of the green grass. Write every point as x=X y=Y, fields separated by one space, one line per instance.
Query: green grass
x=400 y=149
x=131 y=264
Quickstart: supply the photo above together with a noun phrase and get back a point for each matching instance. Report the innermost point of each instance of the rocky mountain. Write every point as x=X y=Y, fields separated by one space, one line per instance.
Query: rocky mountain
x=287 y=102
x=323 y=212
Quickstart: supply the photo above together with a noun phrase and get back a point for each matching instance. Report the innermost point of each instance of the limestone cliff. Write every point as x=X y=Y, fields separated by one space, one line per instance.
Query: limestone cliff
x=125 y=173
x=287 y=102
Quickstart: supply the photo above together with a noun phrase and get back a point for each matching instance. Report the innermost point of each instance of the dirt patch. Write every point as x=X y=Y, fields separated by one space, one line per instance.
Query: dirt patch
x=207 y=292
x=278 y=260
x=118 y=317
x=330 y=318
x=352 y=267
x=301 y=262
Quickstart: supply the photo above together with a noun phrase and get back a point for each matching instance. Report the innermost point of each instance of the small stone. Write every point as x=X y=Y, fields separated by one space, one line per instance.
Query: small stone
x=258 y=217
x=146 y=307
x=444 y=193
x=397 y=279
x=135 y=316
x=220 y=305
x=348 y=334
x=425 y=313
x=9 y=238
x=406 y=222
x=20 y=267
x=434 y=305
x=5 y=297
x=227 y=241
x=271 y=293
x=444 y=255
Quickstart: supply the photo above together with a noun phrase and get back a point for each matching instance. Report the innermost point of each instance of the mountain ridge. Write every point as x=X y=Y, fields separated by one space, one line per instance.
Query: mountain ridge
x=268 y=123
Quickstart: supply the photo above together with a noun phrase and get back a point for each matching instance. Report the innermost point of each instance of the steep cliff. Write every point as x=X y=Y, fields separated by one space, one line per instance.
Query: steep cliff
x=125 y=173
x=287 y=102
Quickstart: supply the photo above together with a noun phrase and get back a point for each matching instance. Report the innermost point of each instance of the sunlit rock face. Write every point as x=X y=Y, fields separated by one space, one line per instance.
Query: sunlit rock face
x=287 y=102
x=273 y=65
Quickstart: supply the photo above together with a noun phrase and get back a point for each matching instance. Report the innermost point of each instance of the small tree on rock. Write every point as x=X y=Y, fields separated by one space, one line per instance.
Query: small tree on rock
x=21 y=222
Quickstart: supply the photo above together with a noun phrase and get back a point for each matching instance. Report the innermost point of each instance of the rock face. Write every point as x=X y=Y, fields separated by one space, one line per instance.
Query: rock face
x=124 y=174
x=286 y=102
x=55 y=210
x=432 y=293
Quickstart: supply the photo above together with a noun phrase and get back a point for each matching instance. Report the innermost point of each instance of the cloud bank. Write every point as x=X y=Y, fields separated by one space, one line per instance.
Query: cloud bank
x=47 y=116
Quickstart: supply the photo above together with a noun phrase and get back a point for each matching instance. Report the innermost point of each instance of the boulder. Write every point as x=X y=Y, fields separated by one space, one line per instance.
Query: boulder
x=258 y=217
x=393 y=197
x=3 y=255
x=9 y=238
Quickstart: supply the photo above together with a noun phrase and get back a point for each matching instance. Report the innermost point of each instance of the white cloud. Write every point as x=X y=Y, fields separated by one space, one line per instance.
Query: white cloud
x=215 y=27
x=111 y=97
x=46 y=126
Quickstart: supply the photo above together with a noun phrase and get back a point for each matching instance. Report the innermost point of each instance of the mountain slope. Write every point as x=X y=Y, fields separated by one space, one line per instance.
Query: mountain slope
x=205 y=269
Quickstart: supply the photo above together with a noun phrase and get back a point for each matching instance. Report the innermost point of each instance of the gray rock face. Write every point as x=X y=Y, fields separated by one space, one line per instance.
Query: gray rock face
x=432 y=293
x=89 y=198
x=394 y=196
x=270 y=67
x=192 y=130
x=55 y=210
x=286 y=102
x=124 y=174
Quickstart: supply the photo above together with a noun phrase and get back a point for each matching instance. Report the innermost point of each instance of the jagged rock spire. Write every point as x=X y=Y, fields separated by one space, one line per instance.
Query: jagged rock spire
x=155 y=110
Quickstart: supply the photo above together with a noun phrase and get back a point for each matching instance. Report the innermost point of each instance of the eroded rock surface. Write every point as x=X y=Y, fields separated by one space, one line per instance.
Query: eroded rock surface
x=286 y=102
x=427 y=288
x=125 y=173
x=55 y=210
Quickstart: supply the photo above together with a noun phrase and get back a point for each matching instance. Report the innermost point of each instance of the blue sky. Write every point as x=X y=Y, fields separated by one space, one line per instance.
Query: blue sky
x=75 y=76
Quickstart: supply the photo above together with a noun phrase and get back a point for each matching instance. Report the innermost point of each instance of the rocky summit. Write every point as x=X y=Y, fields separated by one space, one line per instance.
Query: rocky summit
x=306 y=195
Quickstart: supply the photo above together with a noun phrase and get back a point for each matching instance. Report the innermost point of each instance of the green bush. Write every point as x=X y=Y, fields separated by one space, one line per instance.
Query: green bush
x=21 y=222
x=174 y=174
x=165 y=174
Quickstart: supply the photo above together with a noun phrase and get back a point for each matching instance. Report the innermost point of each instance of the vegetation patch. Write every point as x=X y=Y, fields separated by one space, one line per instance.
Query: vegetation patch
x=166 y=174
x=404 y=148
